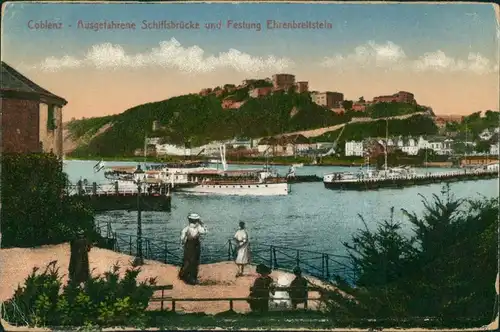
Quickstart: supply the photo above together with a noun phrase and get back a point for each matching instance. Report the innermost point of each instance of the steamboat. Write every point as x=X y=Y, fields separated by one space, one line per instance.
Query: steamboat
x=197 y=177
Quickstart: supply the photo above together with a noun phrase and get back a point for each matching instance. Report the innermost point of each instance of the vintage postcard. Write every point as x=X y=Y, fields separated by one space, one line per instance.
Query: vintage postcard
x=249 y=165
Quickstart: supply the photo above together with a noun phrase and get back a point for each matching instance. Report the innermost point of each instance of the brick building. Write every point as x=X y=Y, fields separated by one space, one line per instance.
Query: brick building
x=400 y=97
x=283 y=81
x=260 y=92
x=302 y=87
x=328 y=99
x=359 y=107
x=31 y=115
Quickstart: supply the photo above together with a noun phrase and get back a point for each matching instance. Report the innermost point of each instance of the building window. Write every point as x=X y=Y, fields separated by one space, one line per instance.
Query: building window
x=51 y=118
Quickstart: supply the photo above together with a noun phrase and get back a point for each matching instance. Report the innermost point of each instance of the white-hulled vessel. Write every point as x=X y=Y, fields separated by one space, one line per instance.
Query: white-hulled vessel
x=198 y=177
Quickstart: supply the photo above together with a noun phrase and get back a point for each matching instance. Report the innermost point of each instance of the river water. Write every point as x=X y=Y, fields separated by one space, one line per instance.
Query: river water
x=310 y=217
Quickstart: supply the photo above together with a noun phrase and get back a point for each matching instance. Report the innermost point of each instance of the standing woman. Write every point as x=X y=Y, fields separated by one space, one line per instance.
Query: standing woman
x=79 y=270
x=190 y=238
x=243 y=246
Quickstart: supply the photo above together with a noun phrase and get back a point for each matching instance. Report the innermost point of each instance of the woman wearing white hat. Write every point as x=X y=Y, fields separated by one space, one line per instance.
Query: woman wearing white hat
x=190 y=238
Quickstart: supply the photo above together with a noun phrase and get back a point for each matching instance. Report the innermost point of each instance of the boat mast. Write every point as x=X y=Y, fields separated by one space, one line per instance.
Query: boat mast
x=386 y=139
x=367 y=155
x=145 y=149
x=466 y=143
x=223 y=156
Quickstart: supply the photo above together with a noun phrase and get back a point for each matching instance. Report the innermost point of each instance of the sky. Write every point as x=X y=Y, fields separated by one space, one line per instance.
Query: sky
x=446 y=54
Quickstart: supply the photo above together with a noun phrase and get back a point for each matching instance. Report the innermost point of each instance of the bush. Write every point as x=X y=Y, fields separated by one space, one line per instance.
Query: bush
x=103 y=300
x=35 y=210
x=446 y=270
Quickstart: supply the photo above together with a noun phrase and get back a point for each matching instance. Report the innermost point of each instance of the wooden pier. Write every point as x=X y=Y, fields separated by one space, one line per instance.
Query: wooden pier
x=304 y=178
x=410 y=181
x=111 y=197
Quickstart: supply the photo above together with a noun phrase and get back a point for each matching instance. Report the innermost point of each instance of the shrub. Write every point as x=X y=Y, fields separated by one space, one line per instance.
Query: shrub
x=103 y=300
x=446 y=270
x=35 y=210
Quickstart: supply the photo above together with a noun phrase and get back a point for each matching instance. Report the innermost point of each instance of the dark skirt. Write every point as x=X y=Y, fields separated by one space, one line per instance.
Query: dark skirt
x=191 y=261
x=79 y=269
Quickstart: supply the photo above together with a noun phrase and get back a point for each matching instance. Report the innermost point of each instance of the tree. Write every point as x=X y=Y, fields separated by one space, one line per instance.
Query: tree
x=445 y=269
x=347 y=105
x=462 y=148
x=482 y=147
x=426 y=155
x=361 y=99
x=35 y=209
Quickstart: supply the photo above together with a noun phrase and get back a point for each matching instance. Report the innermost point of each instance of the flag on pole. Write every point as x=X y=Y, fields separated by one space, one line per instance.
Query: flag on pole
x=99 y=166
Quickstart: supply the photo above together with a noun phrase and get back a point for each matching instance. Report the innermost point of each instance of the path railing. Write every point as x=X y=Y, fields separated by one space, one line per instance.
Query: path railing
x=324 y=266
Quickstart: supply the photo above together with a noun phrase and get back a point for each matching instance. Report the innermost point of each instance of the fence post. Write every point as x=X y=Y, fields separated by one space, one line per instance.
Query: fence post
x=79 y=186
x=130 y=245
x=274 y=256
x=229 y=256
x=115 y=242
x=94 y=188
x=165 y=252
x=271 y=256
x=117 y=191
x=327 y=258
x=323 y=266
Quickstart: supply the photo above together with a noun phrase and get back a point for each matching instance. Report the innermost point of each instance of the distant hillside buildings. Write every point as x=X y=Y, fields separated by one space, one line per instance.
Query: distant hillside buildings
x=399 y=97
x=328 y=99
x=284 y=82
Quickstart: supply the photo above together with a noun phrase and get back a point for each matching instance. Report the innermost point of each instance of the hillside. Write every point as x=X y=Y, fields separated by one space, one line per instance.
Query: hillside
x=382 y=110
x=412 y=126
x=198 y=120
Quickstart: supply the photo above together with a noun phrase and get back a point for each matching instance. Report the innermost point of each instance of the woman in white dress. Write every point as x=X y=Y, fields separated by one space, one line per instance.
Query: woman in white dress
x=243 y=247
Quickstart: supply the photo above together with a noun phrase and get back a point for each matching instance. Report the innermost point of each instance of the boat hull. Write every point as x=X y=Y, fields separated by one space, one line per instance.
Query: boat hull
x=261 y=189
x=396 y=183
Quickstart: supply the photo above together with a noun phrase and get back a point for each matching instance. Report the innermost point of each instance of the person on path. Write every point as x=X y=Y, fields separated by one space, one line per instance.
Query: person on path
x=190 y=238
x=298 y=288
x=243 y=247
x=79 y=270
x=259 y=292
x=280 y=299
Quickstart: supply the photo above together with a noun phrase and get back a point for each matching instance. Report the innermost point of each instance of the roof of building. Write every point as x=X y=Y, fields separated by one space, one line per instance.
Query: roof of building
x=15 y=83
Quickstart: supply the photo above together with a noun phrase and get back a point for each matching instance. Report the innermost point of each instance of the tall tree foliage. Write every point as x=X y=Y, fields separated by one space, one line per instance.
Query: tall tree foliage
x=35 y=210
x=446 y=269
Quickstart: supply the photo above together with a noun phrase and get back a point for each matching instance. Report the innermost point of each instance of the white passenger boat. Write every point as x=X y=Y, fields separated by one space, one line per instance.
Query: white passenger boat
x=198 y=177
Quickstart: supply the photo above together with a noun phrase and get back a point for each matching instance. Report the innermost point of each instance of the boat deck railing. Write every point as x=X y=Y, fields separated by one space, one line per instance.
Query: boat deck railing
x=440 y=175
x=324 y=266
x=108 y=189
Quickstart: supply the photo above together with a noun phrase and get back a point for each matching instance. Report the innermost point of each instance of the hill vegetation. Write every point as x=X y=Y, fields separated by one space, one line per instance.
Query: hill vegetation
x=412 y=126
x=196 y=119
x=382 y=110
x=87 y=127
x=200 y=119
x=474 y=124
